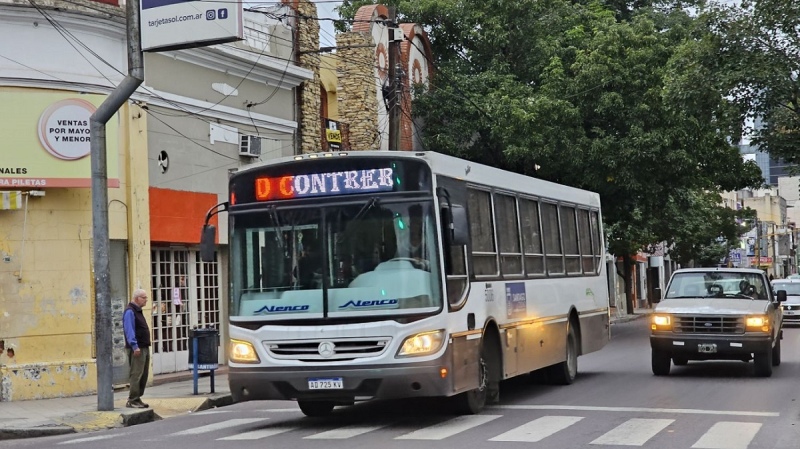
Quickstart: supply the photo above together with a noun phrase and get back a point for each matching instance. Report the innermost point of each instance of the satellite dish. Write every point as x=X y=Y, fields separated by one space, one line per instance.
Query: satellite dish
x=163 y=161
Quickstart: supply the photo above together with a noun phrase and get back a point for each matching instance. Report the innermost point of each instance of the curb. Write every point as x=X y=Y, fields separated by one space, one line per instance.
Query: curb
x=34 y=432
x=91 y=421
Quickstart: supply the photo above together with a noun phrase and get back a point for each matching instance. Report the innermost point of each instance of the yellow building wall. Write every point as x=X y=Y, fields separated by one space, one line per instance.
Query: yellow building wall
x=329 y=80
x=46 y=279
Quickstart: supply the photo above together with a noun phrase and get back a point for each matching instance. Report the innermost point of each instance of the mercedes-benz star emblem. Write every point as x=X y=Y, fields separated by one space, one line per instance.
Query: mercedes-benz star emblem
x=326 y=349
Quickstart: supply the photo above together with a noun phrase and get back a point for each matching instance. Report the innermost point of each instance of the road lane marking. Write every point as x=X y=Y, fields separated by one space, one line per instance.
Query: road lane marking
x=257 y=434
x=728 y=435
x=216 y=426
x=448 y=428
x=345 y=432
x=538 y=429
x=89 y=439
x=686 y=411
x=634 y=432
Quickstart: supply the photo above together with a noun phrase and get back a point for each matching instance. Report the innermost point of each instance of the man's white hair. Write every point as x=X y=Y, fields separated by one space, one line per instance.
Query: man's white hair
x=138 y=293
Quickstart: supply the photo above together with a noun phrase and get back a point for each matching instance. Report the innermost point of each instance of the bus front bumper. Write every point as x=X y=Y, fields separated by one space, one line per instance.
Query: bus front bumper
x=359 y=382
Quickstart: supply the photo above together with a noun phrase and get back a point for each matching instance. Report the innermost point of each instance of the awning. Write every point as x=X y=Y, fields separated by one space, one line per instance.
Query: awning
x=11 y=200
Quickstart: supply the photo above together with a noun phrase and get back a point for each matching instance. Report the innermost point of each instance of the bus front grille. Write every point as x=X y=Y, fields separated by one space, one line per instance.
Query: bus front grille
x=709 y=325
x=335 y=349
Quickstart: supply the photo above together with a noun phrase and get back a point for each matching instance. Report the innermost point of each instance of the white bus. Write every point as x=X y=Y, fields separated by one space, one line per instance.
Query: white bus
x=367 y=275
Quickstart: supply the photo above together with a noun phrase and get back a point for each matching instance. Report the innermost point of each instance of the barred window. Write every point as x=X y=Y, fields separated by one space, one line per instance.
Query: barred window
x=484 y=249
x=508 y=232
x=552 y=239
x=531 y=236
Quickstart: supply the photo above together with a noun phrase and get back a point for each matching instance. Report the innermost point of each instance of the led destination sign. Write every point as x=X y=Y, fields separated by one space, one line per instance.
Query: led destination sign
x=324 y=184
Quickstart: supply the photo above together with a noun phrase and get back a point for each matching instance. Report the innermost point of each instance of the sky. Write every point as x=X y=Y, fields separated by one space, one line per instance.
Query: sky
x=325 y=10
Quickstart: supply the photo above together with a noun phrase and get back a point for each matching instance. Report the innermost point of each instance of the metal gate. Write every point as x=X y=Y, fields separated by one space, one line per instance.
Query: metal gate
x=185 y=295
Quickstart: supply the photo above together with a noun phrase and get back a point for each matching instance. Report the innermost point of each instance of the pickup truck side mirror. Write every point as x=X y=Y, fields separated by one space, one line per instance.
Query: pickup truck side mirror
x=656 y=295
x=781 y=295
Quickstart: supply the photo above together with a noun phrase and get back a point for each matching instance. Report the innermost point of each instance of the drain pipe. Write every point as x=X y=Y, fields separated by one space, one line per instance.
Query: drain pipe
x=100 y=234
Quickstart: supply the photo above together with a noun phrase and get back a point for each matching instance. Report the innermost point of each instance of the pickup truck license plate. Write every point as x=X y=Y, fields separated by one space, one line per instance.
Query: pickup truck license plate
x=707 y=348
x=327 y=383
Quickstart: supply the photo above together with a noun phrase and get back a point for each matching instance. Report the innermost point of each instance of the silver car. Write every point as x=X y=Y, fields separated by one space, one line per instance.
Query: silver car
x=791 y=308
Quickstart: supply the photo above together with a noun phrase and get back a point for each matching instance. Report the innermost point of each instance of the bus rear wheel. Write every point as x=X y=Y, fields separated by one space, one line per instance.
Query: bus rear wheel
x=316 y=408
x=564 y=373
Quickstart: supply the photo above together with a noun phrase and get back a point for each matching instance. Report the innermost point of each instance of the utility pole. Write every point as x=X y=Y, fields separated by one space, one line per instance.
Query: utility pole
x=100 y=236
x=758 y=244
x=394 y=83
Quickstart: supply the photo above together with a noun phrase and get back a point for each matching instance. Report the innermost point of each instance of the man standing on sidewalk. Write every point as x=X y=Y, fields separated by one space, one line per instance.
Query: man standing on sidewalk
x=137 y=342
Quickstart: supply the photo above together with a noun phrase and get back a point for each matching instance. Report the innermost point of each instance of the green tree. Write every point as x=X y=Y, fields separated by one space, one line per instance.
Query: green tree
x=580 y=94
x=757 y=58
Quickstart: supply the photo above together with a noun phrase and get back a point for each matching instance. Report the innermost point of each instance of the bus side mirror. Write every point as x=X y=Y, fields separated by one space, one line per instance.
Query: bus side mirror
x=656 y=295
x=781 y=295
x=208 y=245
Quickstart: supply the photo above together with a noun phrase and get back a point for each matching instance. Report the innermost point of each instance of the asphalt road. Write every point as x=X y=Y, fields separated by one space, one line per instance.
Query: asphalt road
x=616 y=403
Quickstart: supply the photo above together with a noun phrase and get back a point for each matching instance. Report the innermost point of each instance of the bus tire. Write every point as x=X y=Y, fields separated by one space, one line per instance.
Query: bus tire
x=564 y=373
x=316 y=408
x=472 y=402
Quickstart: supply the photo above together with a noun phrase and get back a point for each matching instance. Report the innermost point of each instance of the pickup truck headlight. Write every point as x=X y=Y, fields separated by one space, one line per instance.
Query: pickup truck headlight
x=661 y=322
x=243 y=352
x=425 y=343
x=758 y=323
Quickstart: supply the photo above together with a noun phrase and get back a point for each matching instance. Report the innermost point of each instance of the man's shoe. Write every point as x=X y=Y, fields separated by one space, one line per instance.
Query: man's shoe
x=146 y=405
x=135 y=404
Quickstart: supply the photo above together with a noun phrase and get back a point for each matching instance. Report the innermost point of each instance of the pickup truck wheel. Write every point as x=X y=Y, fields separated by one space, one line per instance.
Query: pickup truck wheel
x=763 y=363
x=680 y=361
x=776 y=353
x=661 y=363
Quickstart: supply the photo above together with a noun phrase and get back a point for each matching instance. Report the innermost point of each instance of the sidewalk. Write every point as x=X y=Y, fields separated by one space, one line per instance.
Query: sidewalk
x=619 y=316
x=171 y=395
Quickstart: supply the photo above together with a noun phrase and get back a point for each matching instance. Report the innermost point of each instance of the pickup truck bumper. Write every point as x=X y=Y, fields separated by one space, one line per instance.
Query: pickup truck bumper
x=701 y=346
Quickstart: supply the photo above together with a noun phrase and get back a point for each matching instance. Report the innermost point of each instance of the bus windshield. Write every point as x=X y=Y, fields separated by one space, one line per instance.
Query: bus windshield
x=370 y=257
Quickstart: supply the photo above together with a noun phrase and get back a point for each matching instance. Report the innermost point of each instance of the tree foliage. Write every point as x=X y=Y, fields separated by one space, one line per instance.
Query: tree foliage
x=606 y=96
x=757 y=58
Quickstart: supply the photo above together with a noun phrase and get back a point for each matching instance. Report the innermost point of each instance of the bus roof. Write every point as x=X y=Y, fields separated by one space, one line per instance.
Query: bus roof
x=462 y=169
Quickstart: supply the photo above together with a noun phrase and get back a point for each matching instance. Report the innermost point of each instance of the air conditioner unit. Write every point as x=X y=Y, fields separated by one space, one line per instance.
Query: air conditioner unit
x=250 y=146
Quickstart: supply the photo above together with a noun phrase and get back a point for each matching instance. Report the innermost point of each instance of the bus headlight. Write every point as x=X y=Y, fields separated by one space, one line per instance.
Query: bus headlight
x=758 y=323
x=243 y=352
x=422 y=344
x=661 y=322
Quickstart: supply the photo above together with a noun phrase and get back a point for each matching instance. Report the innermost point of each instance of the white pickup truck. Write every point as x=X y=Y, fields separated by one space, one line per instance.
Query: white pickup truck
x=717 y=314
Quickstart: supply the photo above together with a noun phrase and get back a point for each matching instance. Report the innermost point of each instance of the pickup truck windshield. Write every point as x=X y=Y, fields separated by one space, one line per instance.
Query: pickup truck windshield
x=717 y=284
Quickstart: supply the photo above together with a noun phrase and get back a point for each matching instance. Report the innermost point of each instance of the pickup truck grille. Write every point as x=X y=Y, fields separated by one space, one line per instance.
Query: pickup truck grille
x=708 y=325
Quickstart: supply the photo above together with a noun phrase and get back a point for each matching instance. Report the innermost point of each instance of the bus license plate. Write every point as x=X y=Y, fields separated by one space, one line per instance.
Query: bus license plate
x=707 y=348
x=328 y=383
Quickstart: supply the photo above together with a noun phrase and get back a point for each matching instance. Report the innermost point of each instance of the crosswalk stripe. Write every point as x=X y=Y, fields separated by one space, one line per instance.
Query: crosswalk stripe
x=448 y=428
x=728 y=435
x=589 y=408
x=257 y=434
x=217 y=426
x=345 y=432
x=538 y=429
x=89 y=439
x=634 y=432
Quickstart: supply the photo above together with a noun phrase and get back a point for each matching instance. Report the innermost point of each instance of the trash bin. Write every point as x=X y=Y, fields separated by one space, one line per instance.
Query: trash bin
x=207 y=348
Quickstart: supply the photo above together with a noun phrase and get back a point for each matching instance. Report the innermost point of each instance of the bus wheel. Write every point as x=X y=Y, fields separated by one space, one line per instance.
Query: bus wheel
x=316 y=408
x=564 y=373
x=472 y=402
